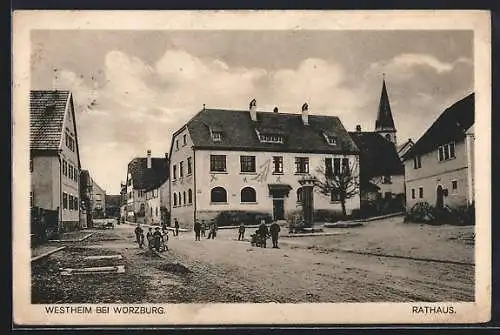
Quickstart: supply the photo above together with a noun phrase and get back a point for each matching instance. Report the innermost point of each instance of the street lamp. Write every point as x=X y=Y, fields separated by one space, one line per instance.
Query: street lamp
x=307 y=182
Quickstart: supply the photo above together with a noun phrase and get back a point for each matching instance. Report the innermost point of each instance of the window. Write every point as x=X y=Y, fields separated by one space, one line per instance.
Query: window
x=386 y=180
x=271 y=138
x=190 y=196
x=130 y=195
x=70 y=170
x=247 y=163
x=177 y=144
x=156 y=209
x=184 y=139
x=218 y=163
x=446 y=152
x=413 y=193
x=184 y=197
x=248 y=195
x=345 y=166
x=417 y=163
x=301 y=164
x=180 y=198
x=454 y=186
x=181 y=169
x=332 y=140
x=71 y=202
x=189 y=166
x=420 y=192
x=65 y=168
x=174 y=172
x=388 y=137
x=75 y=206
x=175 y=199
x=300 y=194
x=65 y=200
x=336 y=166
x=32 y=199
x=278 y=164
x=328 y=167
x=334 y=195
x=218 y=194
x=31 y=165
x=216 y=136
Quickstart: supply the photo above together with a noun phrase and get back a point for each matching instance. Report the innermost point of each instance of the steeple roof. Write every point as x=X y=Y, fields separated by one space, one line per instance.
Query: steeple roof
x=384 y=118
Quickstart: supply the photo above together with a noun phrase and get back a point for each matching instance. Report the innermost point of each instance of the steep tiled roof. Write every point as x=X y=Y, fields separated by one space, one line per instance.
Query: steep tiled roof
x=378 y=156
x=144 y=178
x=47 y=109
x=451 y=125
x=239 y=132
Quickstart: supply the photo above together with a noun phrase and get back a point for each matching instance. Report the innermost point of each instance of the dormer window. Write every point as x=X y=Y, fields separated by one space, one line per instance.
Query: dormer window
x=268 y=138
x=331 y=139
x=216 y=136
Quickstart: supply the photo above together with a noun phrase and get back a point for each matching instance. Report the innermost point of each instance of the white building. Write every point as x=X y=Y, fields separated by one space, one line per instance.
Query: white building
x=439 y=168
x=54 y=157
x=142 y=174
x=252 y=161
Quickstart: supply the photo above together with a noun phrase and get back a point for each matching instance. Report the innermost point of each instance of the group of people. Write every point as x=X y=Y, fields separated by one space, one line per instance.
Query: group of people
x=263 y=232
x=156 y=240
x=201 y=227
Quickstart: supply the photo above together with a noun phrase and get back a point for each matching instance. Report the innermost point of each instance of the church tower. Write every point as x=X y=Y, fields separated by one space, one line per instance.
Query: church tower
x=384 y=125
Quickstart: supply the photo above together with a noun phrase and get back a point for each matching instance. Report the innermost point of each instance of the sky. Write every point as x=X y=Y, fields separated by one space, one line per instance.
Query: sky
x=133 y=89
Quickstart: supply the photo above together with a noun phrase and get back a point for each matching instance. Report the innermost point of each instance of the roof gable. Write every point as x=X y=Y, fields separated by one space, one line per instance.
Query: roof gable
x=47 y=111
x=146 y=179
x=450 y=126
x=378 y=156
x=241 y=133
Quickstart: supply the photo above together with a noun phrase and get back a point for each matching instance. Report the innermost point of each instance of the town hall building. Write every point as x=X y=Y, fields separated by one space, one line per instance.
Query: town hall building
x=251 y=160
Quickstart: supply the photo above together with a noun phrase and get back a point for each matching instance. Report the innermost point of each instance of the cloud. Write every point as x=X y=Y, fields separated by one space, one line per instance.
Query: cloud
x=404 y=66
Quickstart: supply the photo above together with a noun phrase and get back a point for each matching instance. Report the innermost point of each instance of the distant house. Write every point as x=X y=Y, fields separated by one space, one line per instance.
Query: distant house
x=439 y=168
x=54 y=158
x=381 y=170
x=98 y=201
x=142 y=174
x=157 y=203
x=123 y=201
x=252 y=161
x=85 y=199
x=112 y=206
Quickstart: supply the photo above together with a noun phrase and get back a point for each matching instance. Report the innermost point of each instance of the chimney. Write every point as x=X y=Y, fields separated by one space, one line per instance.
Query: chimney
x=305 y=114
x=253 y=110
x=149 y=159
x=358 y=127
x=275 y=110
x=166 y=156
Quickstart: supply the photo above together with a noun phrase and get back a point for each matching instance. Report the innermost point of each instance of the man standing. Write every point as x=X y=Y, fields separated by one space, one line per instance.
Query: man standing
x=241 y=232
x=263 y=232
x=156 y=240
x=203 y=228
x=214 y=229
x=275 y=230
x=197 y=229
x=139 y=236
x=176 y=225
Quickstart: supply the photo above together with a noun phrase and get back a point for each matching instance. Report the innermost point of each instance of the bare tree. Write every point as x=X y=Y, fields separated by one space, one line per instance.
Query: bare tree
x=338 y=180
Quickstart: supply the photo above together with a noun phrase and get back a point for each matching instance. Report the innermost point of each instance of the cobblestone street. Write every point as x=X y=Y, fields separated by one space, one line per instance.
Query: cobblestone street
x=227 y=270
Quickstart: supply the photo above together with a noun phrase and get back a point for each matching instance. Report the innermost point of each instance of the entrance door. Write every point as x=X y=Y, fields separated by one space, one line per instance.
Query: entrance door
x=278 y=209
x=439 y=197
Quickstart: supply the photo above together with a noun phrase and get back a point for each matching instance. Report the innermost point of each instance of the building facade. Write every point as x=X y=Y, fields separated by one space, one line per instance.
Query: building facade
x=157 y=204
x=439 y=168
x=98 y=201
x=54 y=157
x=142 y=174
x=234 y=160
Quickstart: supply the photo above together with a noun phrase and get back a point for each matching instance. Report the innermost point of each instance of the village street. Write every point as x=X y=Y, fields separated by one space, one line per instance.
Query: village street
x=304 y=269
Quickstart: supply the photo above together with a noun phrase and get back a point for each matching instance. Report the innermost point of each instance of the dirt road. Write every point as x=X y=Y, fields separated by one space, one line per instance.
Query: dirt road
x=227 y=270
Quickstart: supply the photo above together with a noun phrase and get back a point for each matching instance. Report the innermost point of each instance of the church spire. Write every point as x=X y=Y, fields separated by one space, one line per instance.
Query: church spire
x=385 y=123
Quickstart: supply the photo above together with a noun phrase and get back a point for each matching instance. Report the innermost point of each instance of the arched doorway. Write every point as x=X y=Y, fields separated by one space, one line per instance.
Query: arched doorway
x=439 y=197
